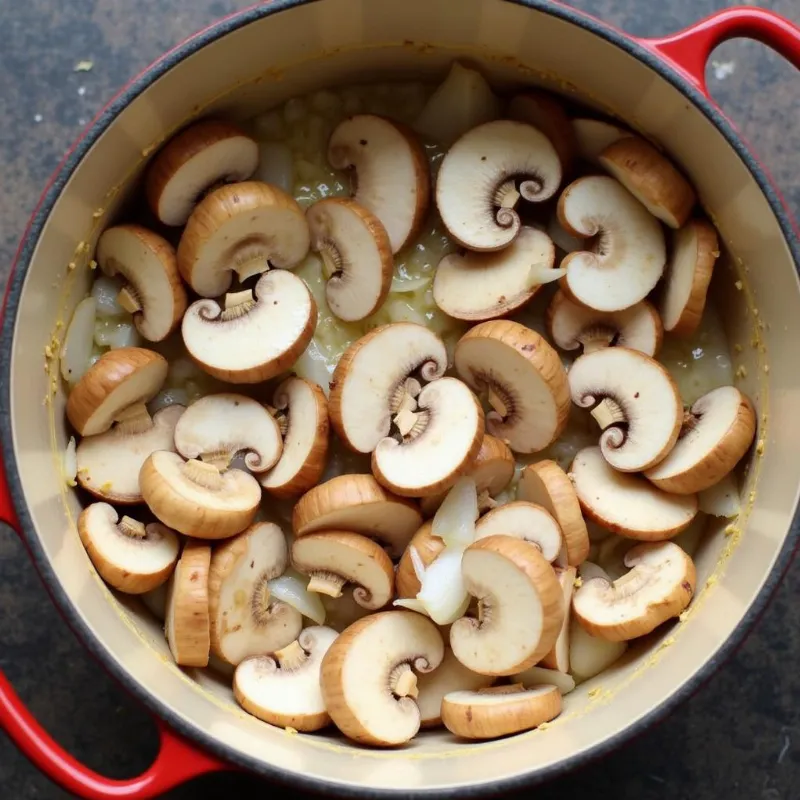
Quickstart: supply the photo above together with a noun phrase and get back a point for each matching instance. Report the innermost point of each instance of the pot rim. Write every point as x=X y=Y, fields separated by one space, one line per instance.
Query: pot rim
x=19 y=269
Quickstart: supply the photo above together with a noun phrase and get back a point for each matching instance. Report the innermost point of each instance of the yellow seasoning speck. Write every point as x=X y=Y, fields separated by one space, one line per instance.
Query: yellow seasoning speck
x=760 y=447
x=755 y=312
x=738 y=348
x=83 y=247
x=766 y=368
x=290 y=730
x=48 y=351
x=712 y=581
x=594 y=692
x=92 y=264
x=578 y=582
x=741 y=371
x=738 y=285
x=71 y=266
x=683 y=616
x=731 y=529
x=98 y=213
x=544 y=726
x=751 y=497
x=106 y=487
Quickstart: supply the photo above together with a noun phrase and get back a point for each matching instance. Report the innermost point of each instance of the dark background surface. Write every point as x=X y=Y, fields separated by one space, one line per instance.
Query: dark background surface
x=738 y=738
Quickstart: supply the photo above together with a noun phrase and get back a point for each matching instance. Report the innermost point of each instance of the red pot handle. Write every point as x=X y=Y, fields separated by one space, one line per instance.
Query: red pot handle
x=688 y=50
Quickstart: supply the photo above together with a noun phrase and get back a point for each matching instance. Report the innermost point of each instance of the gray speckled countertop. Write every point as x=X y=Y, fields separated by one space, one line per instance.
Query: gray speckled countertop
x=737 y=738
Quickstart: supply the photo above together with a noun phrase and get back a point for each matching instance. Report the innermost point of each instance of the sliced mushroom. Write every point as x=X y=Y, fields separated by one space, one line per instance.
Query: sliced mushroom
x=571 y=326
x=716 y=434
x=520 y=607
x=196 y=498
x=524 y=379
x=367 y=678
x=628 y=253
x=283 y=689
x=244 y=228
x=545 y=112
x=481 y=286
x=335 y=558
x=499 y=711
x=257 y=335
x=526 y=521
x=695 y=249
x=356 y=256
x=187 y=624
x=428 y=547
x=634 y=400
x=558 y=657
x=153 y=292
x=302 y=415
x=539 y=676
x=109 y=463
x=391 y=172
x=199 y=158
x=115 y=388
x=358 y=503
x=659 y=586
x=592 y=136
x=628 y=504
x=484 y=175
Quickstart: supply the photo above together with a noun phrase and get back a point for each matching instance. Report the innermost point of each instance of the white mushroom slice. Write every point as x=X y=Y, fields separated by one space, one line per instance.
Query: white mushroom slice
x=302 y=415
x=130 y=556
x=218 y=427
x=628 y=253
x=484 y=175
x=524 y=379
x=590 y=655
x=153 y=292
x=499 y=711
x=545 y=112
x=659 y=586
x=722 y=499
x=120 y=381
x=592 y=136
x=187 y=623
x=335 y=558
x=628 y=504
x=356 y=256
x=368 y=680
x=635 y=402
x=523 y=520
x=716 y=434
x=372 y=382
x=358 y=503
x=245 y=619
x=481 y=286
x=244 y=228
x=257 y=335
x=539 y=676
x=558 y=657
x=520 y=607
x=199 y=158
x=284 y=689
x=196 y=498
x=426 y=549
x=694 y=251
x=571 y=326
x=392 y=179
x=109 y=463
x=651 y=178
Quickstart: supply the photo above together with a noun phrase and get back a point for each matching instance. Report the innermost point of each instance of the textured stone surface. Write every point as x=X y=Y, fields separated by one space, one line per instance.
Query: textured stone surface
x=738 y=738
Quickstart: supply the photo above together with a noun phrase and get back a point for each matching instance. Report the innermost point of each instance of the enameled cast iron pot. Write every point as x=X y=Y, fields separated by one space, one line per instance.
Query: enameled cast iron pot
x=262 y=56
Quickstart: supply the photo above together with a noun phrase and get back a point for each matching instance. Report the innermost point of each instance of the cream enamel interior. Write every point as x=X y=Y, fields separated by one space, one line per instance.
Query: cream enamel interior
x=334 y=42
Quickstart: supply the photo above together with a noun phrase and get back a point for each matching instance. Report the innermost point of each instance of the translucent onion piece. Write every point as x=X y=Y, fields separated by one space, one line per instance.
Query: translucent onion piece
x=105 y=291
x=270 y=125
x=315 y=366
x=588 y=655
x=541 y=274
x=156 y=601
x=406 y=286
x=79 y=341
x=454 y=522
x=168 y=397
x=275 y=165
x=402 y=311
x=443 y=596
x=689 y=539
x=539 y=676
x=124 y=335
x=70 y=462
x=722 y=499
x=181 y=371
x=412 y=604
x=291 y=588
x=589 y=570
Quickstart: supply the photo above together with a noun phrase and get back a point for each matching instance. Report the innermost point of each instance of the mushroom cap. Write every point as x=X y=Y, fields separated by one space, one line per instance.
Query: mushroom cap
x=651 y=178
x=526 y=521
x=218 y=426
x=358 y=503
x=339 y=557
x=218 y=506
x=544 y=111
x=592 y=136
x=520 y=607
x=193 y=161
x=428 y=547
x=525 y=377
x=628 y=504
x=305 y=442
x=659 y=586
x=362 y=664
x=245 y=620
x=481 y=286
x=722 y=425
x=118 y=379
x=490 y=714
x=287 y=695
x=558 y=657
x=694 y=251
x=256 y=340
x=392 y=175
x=131 y=563
x=634 y=400
x=109 y=463
x=547 y=485
x=243 y=228
x=572 y=325
x=356 y=251
x=187 y=623
x=629 y=252
x=368 y=382
x=432 y=460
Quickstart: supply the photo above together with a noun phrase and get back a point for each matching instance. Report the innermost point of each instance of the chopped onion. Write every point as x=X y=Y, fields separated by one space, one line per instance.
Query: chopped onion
x=589 y=655
x=275 y=165
x=182 y=370
x=401 y=311
x=105 y=291
x=342 y=612
x=588 y=570
x=79 y=341
x=314 y=366
x=168 y=397
x=406 y=285
x=124 y=335
x=539 y=676
x=540 y=274
x=70 y=462
x=454 y=522
x=292 y=589
x=611 y=556
x=722 y=499
x=443 y=596
x=270 y=125
x=156 y=601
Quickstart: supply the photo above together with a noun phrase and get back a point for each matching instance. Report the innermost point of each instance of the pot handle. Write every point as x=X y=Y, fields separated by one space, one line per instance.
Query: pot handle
x=688 y=50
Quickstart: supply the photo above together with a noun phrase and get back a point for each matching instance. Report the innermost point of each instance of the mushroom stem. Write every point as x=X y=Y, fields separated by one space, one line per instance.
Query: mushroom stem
x=203 y=474
x=405 y=420
x=331 y=260
x=405 y=395
x=486 y=501
x=326 y=583
x=596 y=339
x=509 y=688
x=220 y=459
x=403 y=681
x=129 y=299
x=507 y=195
x=292 y=656
x=132 y=528
x=689 y=422
x=251 y=266
x=497 y=402
x=608 y=412
x=134 y=419
x=237 y=304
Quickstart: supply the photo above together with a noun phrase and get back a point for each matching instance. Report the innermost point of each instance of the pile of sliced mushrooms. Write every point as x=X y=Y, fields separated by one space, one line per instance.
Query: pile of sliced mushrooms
x=445 y=578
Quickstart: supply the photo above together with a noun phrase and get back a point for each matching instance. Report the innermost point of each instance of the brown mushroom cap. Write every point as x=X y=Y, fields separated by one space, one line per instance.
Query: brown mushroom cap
x=592 y=136
x=526 y=521
x=545 y=112
x=428 y=547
